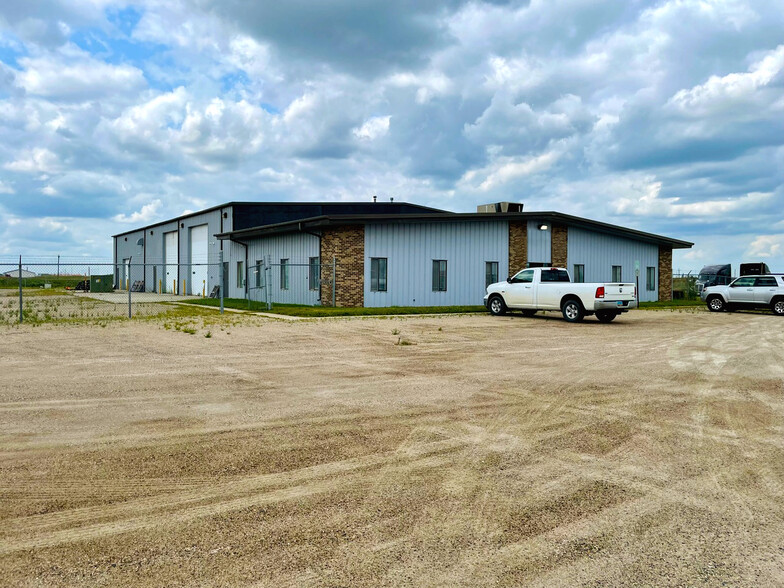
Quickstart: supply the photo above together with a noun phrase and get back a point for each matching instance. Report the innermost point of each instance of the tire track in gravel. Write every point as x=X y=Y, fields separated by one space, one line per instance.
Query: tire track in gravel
x=94 y=522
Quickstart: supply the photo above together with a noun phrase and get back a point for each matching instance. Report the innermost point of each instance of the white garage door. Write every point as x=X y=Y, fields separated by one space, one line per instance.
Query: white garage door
x=199 y=259
x=170 y=246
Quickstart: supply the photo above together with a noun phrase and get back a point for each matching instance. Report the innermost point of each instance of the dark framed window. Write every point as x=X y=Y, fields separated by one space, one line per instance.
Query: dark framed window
x=284 y=274
x=439 y=275
x=555 y=275
x=743 y=283
x=491 y=272
x=616 y=274
x=650 y=278
x=240 y=274
x=314 y=273
x=766 y=282
x=378 y=274
x=579 y=272
x=257 y=270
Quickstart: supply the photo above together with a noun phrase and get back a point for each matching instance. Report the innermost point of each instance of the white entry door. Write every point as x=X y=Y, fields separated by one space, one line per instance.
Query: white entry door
x=199 y=259
x=171 y=251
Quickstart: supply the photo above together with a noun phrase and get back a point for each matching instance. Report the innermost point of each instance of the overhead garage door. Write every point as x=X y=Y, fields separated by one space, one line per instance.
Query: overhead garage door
x=199 y=259
x=171 y=249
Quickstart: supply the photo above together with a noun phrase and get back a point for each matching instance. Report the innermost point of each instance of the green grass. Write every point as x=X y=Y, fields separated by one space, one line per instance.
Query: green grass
x=39 y=281
x=681 y=303
x=321 y=311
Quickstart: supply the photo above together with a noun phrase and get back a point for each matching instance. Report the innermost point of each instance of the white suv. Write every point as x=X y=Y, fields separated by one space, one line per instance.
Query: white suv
x=747 y=292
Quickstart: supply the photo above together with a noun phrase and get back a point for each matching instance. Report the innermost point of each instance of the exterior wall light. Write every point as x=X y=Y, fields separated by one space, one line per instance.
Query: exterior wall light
x=543 y=227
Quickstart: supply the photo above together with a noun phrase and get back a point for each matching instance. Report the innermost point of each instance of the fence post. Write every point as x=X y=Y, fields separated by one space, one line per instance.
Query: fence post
x=21 y=318
x=220 y=278
x=334 y=273
x=130 y=260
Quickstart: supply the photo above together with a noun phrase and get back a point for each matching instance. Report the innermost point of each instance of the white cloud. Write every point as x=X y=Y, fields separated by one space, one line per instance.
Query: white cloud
x=75 y=75
x=35 y=160
x=765 y=247
x=649 y=203
x=374 y=128
x=146 y=214
x=49 y=191
x=6 y=188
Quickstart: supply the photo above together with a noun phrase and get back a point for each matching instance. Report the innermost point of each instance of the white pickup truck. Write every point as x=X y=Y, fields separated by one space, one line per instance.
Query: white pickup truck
x=551 y=288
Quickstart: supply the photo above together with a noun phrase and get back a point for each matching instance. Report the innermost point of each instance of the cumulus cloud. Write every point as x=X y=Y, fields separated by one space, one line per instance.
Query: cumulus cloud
x=145 y=215
x=36 y=160
x=651 y=204
x=6 y=188
x=766 y=247
x=374 y=127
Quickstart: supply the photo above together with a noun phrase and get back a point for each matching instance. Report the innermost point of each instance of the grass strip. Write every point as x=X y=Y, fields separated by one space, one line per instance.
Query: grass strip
x=320 y=311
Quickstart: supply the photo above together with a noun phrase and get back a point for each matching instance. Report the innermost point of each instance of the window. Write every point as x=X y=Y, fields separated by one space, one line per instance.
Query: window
x=257 y=270
x=616 y=273
x=284 y=274
x=579 y=273
x=555 y=275
x=524 y=276
x=240 y=274
x=378 y=274
x=314 y=273
x=439 y=275
x=743 y=283
x=650 y=278
x=766 y=282
x=491 y=272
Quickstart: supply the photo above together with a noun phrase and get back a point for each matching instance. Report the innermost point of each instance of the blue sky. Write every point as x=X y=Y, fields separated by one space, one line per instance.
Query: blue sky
x=663 y=116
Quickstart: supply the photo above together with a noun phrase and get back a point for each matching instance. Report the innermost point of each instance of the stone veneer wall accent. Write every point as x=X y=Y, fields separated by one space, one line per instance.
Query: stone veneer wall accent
x=559 y=245
x=518 y=247
x=665 y=273
x=347 y=244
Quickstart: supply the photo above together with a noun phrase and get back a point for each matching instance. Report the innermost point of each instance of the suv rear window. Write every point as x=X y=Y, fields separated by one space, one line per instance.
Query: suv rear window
x=555 y=275
x=768 y=281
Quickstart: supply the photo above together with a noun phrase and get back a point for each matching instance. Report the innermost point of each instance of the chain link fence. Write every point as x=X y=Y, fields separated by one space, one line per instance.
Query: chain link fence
x=48 y=289
x=35 y=289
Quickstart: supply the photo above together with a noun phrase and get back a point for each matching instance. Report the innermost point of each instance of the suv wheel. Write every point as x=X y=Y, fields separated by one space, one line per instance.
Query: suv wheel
x=716 y=304
x=496 y=306
x=778 y=307
x=573 y=311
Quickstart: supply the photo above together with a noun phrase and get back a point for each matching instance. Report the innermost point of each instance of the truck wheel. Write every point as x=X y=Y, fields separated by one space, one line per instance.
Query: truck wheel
x=573 y=311
x=497 y=306
x=777 y=306
x=716 y=304
x=606 y=316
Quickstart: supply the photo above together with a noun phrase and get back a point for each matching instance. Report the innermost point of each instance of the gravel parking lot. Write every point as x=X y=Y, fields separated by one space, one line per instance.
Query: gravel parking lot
x=428 y=451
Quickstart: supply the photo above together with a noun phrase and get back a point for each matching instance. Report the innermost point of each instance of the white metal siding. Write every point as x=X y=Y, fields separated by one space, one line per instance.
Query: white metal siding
x=298 y=248
x=539 y=243
x=411 y=248
x=599 y=252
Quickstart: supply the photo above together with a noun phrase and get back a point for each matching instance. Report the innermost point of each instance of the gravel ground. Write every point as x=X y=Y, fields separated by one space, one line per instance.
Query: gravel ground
x=437 y=451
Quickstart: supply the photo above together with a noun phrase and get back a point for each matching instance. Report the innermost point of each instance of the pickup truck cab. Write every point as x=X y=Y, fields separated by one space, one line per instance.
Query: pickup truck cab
x=535 y=289
x=747 y=292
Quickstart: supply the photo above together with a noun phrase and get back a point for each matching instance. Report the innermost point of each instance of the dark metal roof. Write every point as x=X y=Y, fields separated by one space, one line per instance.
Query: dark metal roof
x=319 y=222
x=261 y=210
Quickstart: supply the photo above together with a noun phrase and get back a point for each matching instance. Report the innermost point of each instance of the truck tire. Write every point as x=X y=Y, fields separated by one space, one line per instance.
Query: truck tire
x=777 y=306
x=606 y=316
x=716 y=304
x=572 y=310
x=496 y=305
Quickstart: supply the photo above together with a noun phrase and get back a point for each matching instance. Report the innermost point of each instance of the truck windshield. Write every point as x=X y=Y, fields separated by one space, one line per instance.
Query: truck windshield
x=705 y=277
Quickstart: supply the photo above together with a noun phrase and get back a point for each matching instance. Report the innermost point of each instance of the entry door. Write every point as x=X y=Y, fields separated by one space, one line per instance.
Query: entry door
x=742 y=291
x=124 y=273
x=199 y=259
x=171 y=249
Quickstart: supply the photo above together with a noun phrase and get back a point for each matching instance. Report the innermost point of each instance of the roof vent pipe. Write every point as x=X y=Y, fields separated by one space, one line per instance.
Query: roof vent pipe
x=374 y=198
x=391 y=199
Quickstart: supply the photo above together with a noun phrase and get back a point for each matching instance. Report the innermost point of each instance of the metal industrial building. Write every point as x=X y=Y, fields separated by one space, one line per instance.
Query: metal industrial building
x=382 y=254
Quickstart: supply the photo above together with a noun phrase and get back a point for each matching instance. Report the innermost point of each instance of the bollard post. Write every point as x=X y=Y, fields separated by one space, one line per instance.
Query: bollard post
x=203 y=288
x=183 y=288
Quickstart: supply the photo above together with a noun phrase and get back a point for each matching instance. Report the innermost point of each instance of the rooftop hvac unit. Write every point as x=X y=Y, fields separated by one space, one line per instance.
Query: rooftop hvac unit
x=500 y=207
